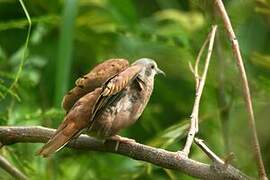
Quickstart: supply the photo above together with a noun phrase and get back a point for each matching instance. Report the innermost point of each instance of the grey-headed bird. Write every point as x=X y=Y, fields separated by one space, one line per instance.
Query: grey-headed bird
x=109 y=98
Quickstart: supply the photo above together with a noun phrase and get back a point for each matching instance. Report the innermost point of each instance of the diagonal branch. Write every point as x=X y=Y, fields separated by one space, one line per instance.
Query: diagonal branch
x=208 y=151
x=159 y=157
x=200 y=81
x=237 y=53
x=13 y=171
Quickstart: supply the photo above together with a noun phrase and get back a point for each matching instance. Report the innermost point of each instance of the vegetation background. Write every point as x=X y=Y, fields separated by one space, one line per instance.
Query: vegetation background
x=68 y=38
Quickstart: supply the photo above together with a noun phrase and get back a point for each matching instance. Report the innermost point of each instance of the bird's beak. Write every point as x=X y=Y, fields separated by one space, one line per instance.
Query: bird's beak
x=159 y=71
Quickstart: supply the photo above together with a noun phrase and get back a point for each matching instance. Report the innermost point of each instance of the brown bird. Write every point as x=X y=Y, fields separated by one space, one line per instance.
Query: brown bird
x=109 y=98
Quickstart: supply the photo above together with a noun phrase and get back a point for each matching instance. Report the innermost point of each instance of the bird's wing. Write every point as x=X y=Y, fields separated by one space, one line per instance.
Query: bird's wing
x=113 y=87
x=75 y=121
x=121 y=80
x=94 y=79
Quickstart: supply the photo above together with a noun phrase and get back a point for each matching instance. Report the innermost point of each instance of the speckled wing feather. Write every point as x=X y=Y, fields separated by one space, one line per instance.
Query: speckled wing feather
x=113 y=87
x=95 y=78
x=120 y=81
x=75 y=121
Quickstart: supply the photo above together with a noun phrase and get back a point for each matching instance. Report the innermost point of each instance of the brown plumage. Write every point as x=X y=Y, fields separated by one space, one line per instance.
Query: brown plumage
x=95 y=78
x=109 y=98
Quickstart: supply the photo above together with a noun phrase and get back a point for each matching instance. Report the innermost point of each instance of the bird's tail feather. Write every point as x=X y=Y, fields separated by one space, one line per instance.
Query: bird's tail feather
x=59 y=140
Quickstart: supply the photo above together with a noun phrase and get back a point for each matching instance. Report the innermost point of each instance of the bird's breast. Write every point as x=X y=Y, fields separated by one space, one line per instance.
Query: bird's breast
x=122 y=112
x=128 y=110
x=130 y=107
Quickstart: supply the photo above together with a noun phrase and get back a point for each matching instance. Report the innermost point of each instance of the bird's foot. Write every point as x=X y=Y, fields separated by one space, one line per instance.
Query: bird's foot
x=121 y=139
x=181 y=154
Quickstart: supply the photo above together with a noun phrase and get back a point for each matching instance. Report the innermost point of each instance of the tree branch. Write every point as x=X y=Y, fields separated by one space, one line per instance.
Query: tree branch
x=237 y=53
x=159 y=157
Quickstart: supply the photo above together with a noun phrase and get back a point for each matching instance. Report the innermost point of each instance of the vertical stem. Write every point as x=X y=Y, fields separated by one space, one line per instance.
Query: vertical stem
x=63 y=64
x=245 y=87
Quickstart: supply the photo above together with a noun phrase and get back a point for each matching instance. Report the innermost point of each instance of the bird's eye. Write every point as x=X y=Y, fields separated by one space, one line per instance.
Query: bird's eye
x=152 y=66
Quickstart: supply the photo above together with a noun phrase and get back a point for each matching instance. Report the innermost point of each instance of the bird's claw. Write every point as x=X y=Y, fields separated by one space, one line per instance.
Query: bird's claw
x=120 y=139
x=181 y=154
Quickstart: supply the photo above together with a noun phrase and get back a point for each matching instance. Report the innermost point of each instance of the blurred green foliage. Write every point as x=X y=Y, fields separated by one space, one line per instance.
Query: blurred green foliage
x=69 y=37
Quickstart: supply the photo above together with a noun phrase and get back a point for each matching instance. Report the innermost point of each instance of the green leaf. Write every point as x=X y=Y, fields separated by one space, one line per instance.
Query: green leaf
x=261 y=60
x=170 y=135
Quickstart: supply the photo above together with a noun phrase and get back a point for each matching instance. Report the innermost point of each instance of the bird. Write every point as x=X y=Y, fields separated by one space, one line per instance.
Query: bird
x=111 y=97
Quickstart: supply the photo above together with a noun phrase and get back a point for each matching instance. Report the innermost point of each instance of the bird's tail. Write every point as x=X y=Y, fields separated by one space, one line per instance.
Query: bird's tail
x=75 y=122
x=59 y=140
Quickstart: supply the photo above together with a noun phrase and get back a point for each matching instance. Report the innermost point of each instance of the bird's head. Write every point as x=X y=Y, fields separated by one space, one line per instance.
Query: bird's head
x=149 y=68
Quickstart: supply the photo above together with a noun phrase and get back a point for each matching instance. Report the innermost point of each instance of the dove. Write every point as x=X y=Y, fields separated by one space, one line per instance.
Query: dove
x=111 y=97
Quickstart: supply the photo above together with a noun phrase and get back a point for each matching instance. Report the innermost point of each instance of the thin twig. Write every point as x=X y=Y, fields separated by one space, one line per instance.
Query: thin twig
x=245 y=87
x=13 y=171
x=197 y=61
x=157 y=156
x=200 y=81
x=23 y=58
x=208 y=151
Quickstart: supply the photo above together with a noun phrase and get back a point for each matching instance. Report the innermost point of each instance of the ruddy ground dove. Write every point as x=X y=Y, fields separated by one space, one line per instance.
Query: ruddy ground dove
x=109 y=98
